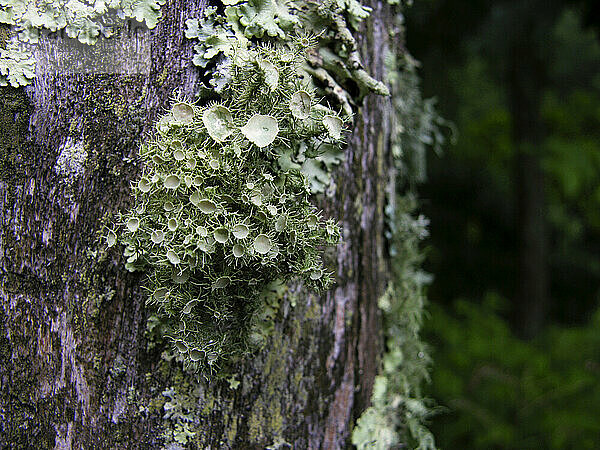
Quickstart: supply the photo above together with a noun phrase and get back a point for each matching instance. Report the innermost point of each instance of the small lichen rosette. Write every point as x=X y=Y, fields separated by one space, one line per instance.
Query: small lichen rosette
x=219 y=214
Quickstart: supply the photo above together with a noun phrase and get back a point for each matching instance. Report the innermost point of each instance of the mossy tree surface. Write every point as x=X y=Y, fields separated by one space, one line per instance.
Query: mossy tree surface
x=79 y=369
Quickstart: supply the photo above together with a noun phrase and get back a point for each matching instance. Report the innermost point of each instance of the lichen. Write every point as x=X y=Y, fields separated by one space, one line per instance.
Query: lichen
x=185 y=404
x=417 y=126
x=179 y=409
x=398 y=411
x=70 y=163
x=80 y=20
x=217 y=218
x=281 y=21
x=17 y=67
x=331 y=67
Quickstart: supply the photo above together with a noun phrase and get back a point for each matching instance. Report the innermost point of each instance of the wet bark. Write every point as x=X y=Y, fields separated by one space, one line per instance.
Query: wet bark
x=77 y=370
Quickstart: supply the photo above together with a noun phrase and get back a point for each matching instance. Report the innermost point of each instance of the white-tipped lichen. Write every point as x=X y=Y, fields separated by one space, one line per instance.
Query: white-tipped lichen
x=331 y=69
x=214 y=233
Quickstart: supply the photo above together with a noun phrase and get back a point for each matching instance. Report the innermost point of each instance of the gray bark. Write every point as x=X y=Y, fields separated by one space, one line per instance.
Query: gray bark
x=76 y=370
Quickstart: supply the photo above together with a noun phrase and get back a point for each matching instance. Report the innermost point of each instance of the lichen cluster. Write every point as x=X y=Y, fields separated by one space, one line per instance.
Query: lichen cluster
x=220 y=213
x=334 y=63
x=417 y=126
x=332 y=66
x=222 y=209
x=86 y=21
x=398 y=411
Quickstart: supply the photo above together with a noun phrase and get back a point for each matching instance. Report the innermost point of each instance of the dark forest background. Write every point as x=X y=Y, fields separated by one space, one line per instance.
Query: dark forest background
x=515 y=221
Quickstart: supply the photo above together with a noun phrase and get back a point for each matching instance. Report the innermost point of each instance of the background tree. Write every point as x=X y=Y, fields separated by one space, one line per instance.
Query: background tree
x=478 y=89
x=506 y=70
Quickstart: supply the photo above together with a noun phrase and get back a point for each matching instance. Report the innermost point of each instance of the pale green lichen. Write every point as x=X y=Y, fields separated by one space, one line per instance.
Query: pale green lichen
x=279 y=21
x=217 y=218
x=356 y=11
x=70 y=163
x=86 y=22
x=185 y=403
x=17 y=67
x=214 y=34
x=416 y=124
x=179 y=410
x=398 y=412
x=245 y=166
x=331 y=71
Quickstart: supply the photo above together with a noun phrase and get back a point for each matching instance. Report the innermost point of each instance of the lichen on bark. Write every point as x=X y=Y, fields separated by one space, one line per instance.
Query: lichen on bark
x=321 y=352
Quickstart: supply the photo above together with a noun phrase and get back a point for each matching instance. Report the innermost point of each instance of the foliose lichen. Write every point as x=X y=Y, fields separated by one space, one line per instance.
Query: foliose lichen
x=81 y=20
x=331 y=66
x=219 y=214
x=222 y=209
x=334 y=61
x=17 y=68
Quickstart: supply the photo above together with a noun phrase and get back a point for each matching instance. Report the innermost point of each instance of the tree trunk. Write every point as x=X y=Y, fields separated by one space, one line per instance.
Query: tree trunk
x=77 y=369
x=525 y=84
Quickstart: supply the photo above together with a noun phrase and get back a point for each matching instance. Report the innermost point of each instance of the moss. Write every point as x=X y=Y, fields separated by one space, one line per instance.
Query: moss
x=266 y=418
x=264 y=423
x=27 y=419
x=232 y=431
x=162 y=77
x=14 y=121
x=208 y=405
x=313 y=311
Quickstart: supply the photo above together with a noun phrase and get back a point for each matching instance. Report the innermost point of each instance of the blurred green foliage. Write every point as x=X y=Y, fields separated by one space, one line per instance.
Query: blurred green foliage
x=506 y=393
x=499 y=391
x=470 y=195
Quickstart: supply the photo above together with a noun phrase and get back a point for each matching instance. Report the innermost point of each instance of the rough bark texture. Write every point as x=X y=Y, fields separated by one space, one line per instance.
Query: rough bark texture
x=76 y=370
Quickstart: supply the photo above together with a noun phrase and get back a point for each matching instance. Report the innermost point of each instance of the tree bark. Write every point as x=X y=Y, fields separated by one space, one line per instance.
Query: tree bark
x=77 y=370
